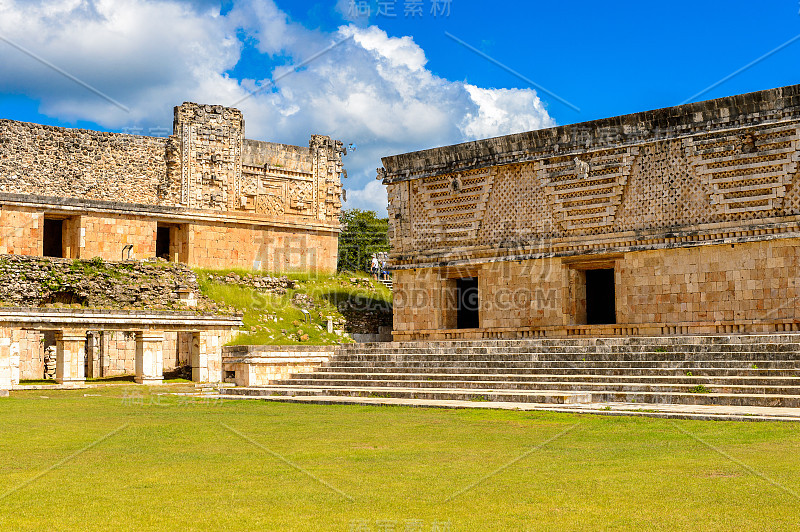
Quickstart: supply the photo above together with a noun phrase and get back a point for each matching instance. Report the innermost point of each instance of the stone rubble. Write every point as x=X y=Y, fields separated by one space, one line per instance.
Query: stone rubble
x=52 y=282
x=263 y=283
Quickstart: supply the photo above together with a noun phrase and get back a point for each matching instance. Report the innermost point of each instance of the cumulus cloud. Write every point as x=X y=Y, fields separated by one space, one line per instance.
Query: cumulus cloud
x=145 y=55
x=371 y=89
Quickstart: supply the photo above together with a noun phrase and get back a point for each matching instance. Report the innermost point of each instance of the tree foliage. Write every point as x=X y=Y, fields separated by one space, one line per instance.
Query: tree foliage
x=363 y=234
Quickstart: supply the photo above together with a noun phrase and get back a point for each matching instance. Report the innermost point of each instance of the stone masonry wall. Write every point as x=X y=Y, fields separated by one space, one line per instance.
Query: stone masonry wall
x=106 y=236
x=21 y=231
x=745 y=282
x=55 y=161
x=224 y=246
x=601 y=185
x=205 y=165
x=291 y=158
x=206 y=182
x=696 y=208
x=748 y=287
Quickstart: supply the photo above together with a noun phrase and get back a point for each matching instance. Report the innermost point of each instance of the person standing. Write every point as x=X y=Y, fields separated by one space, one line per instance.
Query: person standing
x=374 y=267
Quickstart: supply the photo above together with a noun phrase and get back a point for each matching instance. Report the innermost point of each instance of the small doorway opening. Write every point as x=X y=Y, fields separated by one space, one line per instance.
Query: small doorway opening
x=163 y=242
x=600 y=304
x=53 y=238
x=468 y=314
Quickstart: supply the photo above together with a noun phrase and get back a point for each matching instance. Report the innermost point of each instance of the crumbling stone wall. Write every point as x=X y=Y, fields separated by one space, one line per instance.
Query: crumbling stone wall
x=41 y=281
x=263 y=283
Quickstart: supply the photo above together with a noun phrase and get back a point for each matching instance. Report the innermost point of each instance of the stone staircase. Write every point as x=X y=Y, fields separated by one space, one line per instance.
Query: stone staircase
x=746 y=370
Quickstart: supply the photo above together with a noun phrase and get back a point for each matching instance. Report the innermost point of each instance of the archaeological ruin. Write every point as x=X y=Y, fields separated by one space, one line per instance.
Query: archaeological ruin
x=204 y=196
x=81 y=210
x=678 y=221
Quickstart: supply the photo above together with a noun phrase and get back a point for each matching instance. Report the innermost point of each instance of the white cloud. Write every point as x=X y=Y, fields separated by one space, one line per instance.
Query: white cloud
x=146 y=55
x=504 y=111
x=372 y=197
x=373 y=90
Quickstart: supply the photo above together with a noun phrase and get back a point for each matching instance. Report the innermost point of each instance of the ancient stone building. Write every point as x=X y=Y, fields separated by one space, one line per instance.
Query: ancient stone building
x=204 y=196
x=683 y=220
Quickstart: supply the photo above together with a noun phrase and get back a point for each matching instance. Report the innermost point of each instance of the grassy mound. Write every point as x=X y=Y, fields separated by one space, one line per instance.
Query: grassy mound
x=277 y=317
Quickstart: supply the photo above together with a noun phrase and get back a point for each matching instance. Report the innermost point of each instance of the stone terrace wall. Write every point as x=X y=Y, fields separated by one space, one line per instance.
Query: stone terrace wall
x=41 y=281
x=78 y=163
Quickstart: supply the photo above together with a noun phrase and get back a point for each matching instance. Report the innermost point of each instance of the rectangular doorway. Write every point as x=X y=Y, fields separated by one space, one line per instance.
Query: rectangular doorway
x=600 y=297
x=163 y=242
x=53 y=238
x=468 y=310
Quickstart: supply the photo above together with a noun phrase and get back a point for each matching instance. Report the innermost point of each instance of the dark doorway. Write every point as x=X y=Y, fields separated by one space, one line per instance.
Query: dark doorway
x=600 y=306
x=162 y=242
x=468 y=304
x=53 y=237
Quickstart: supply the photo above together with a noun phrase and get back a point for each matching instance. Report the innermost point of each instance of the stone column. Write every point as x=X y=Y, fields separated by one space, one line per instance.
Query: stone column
x=199 y=359
x=14 y=359
x=149 y=357
x=70 y=356
x=5 y=361
x=93 y=356
x=206 y=356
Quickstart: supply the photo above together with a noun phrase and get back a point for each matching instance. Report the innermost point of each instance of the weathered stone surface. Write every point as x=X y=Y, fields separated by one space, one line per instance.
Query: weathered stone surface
x=696 y=209
x=227 y=202
x=49 y=282
x=263 y=283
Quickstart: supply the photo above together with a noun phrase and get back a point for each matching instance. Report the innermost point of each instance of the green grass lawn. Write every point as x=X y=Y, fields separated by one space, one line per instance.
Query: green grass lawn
x=159 y=462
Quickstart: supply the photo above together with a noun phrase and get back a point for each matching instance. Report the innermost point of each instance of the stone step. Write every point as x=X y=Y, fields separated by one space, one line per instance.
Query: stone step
x=561 y=385
x=730 y=348
x=793 y=370
x=676 y=411
x=758 y=400
x=609 y=343
x=785 y=338
x=755 y=370
x=504 y=377
x=743 y=359
x=522 y=396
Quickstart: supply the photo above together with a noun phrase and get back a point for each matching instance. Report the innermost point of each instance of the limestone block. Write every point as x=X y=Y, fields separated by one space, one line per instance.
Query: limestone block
x=70 y=356
x=149 y=357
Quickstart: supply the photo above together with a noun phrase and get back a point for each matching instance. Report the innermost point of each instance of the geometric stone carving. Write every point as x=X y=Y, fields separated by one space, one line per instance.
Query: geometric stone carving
x=454 y=205
x=301 y=196
x=746 y=173
x=211 y=151
x=584 y=196
x=517 y=215
x=269 y=204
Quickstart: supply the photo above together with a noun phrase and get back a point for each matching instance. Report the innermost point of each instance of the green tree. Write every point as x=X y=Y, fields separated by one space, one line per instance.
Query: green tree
x=363 y=234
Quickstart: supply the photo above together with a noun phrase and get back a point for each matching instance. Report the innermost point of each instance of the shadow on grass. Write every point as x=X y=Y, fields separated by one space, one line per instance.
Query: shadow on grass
x=355 y=300
x=116 y=378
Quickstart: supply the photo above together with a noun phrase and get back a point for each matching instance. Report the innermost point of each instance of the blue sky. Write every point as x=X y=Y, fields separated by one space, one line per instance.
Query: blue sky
x=393 y=84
